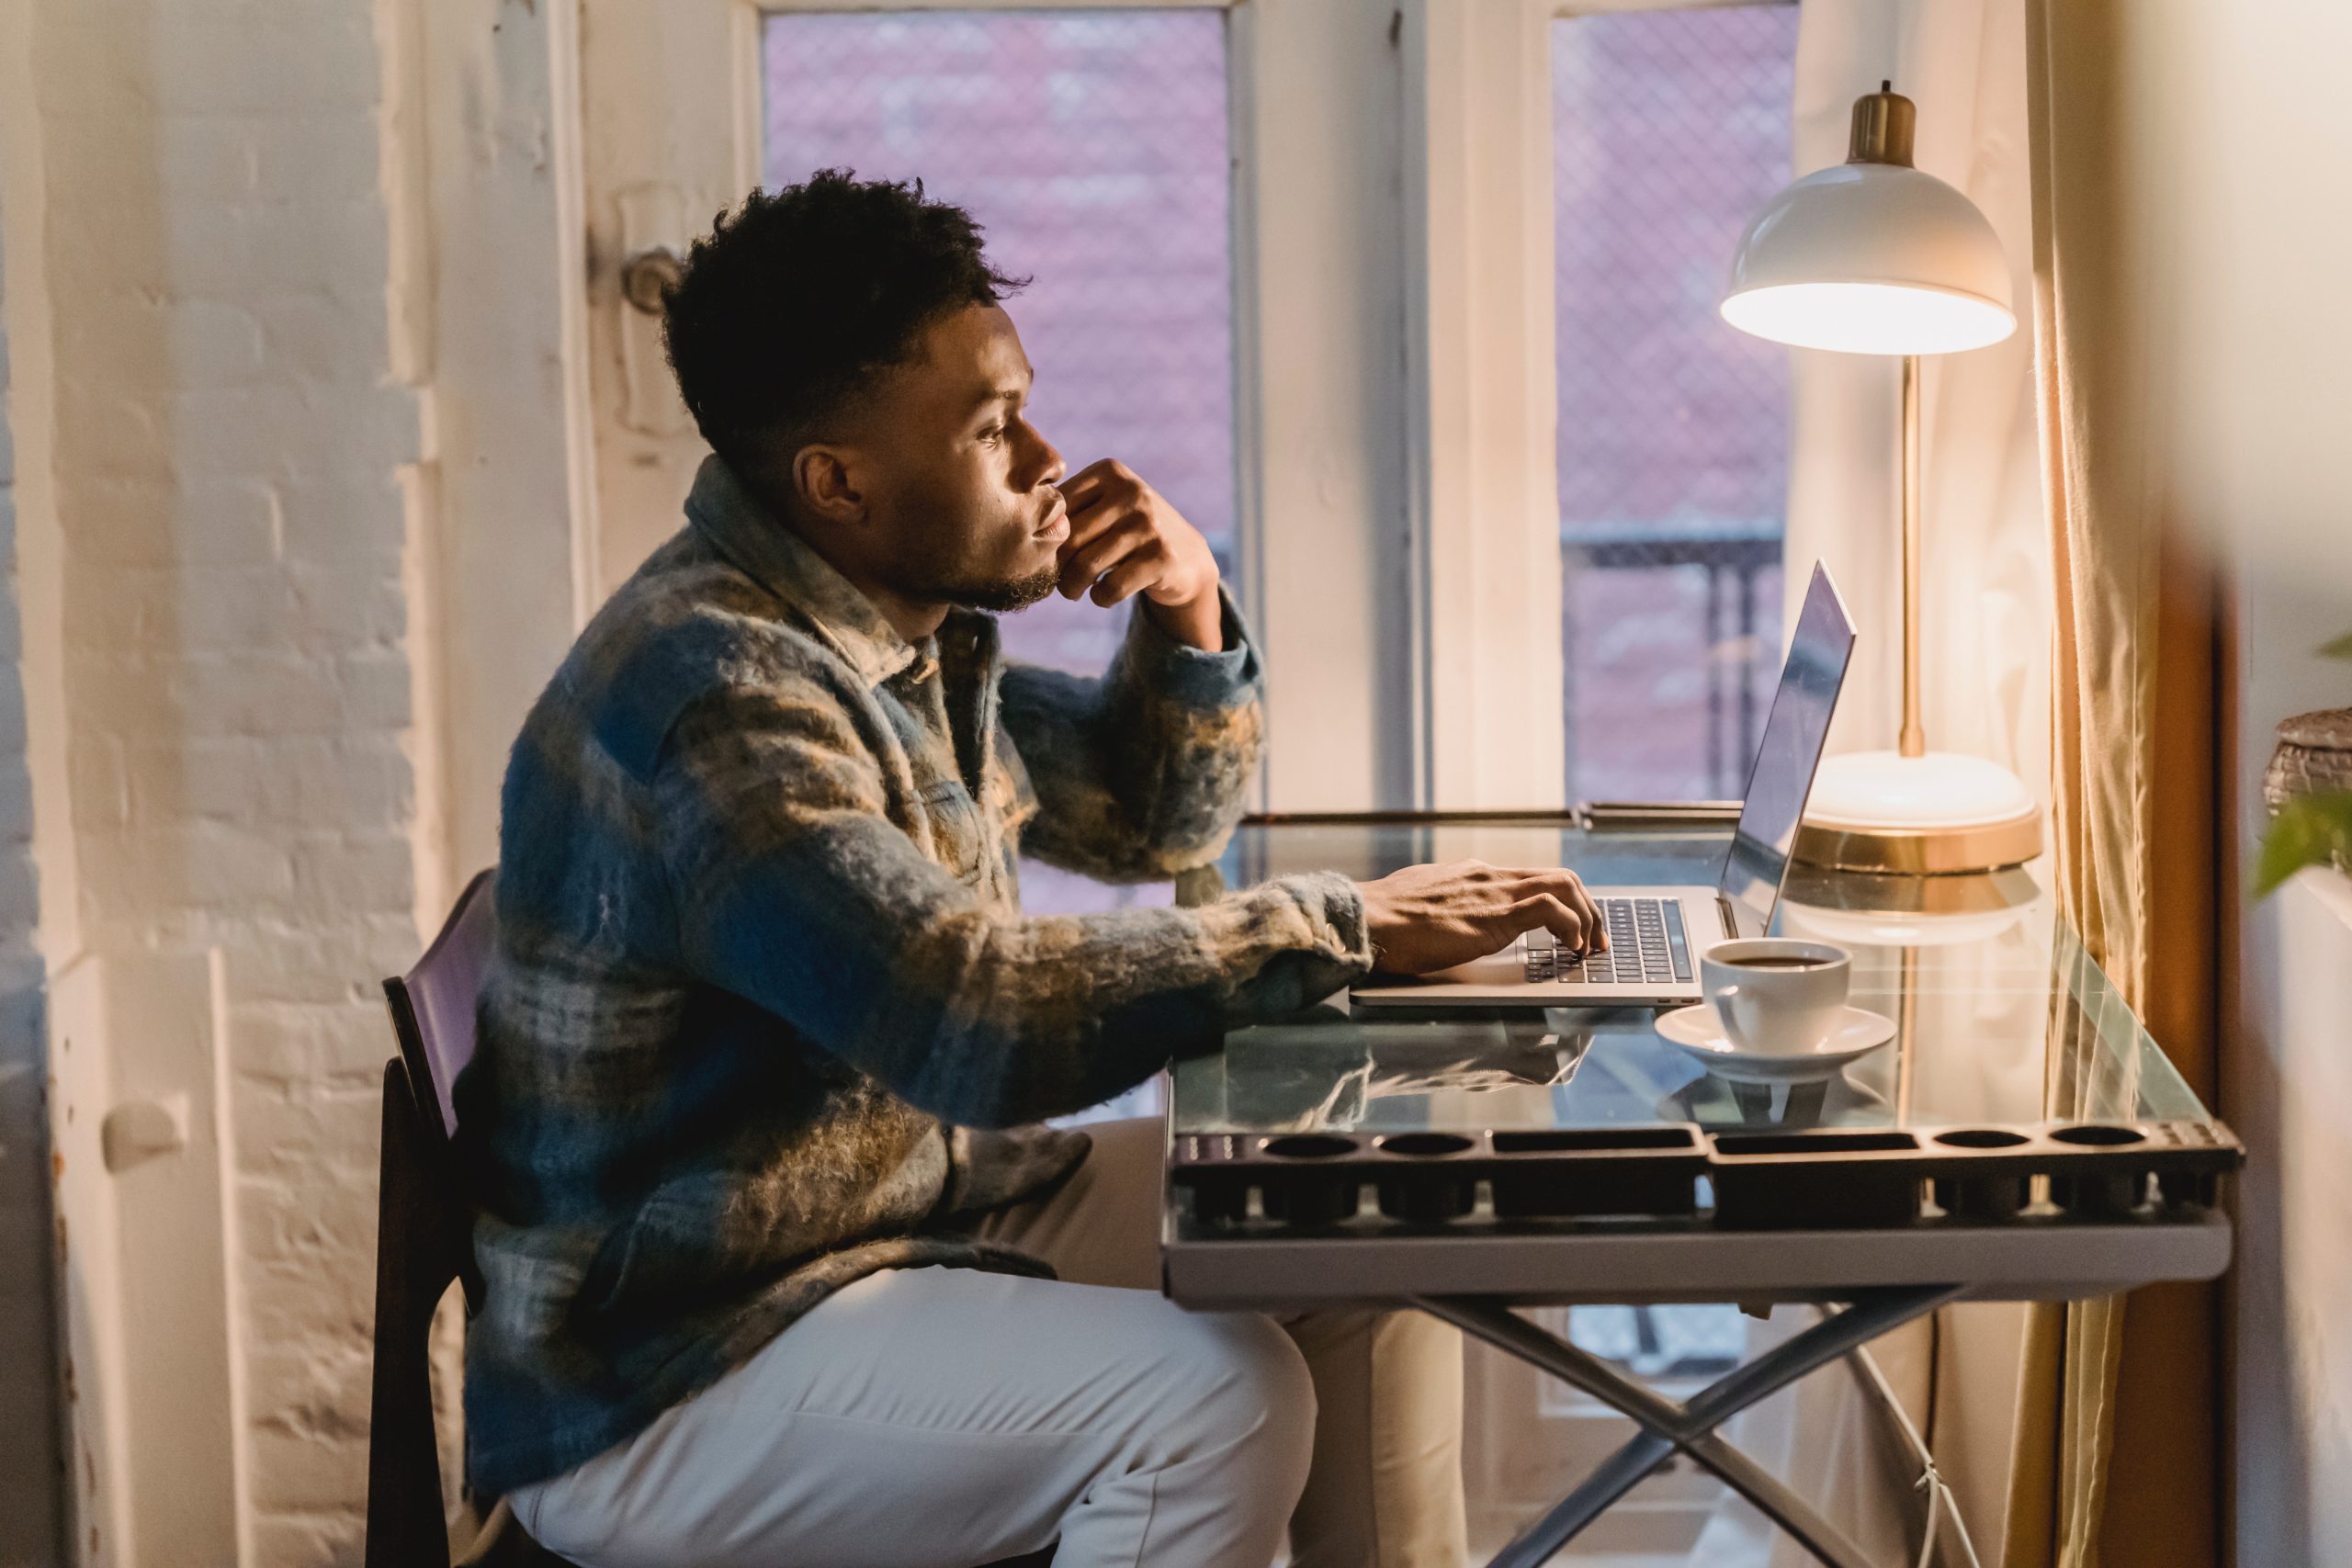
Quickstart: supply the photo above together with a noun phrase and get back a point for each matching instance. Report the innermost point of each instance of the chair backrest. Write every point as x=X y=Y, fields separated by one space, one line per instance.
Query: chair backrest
x=423 y=1230
x=432 y=1004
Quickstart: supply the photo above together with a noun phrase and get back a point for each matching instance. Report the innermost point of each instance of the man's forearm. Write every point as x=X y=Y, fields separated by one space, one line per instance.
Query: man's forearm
x=879 y=958
x=1140 y=774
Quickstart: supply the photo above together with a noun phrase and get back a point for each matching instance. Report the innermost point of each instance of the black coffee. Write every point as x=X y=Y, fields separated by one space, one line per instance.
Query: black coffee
x=1777 y=963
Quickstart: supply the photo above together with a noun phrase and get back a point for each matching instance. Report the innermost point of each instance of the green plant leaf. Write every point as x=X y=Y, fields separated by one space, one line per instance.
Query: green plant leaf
x=2340 y=649
x=2310 y=829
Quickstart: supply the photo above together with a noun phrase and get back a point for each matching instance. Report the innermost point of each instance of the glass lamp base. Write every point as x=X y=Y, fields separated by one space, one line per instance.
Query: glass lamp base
x=1934 y=815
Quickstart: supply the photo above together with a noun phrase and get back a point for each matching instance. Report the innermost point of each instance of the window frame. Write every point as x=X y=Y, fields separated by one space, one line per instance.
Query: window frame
x=1319 y=391
x=1485 y=494
x=1397 y=510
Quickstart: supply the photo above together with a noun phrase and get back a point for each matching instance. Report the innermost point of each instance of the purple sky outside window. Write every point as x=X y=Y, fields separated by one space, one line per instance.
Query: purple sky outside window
x=1670 y=127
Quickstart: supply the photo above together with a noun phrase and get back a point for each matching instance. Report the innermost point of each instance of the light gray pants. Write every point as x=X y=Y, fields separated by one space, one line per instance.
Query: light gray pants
x=945 y=1417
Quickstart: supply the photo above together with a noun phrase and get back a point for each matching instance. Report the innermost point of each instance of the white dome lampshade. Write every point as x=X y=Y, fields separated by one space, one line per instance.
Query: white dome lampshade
x=1872 y=256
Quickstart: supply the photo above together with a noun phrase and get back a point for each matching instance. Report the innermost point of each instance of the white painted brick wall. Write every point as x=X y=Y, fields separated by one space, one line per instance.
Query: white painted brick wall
x=230 y=441
x=30 y=1476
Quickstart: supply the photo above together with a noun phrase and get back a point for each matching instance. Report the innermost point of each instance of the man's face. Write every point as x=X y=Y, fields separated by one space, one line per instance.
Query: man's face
x=958 y=485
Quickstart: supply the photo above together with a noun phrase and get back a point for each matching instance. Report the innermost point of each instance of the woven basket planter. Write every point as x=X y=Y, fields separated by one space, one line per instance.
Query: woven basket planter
x=2315 y=753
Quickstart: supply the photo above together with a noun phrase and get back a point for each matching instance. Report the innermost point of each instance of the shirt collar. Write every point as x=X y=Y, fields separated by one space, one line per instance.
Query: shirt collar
x=722 y=508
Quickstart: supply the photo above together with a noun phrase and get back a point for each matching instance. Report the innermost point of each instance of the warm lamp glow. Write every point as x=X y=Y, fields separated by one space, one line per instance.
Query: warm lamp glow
x=1870 y=318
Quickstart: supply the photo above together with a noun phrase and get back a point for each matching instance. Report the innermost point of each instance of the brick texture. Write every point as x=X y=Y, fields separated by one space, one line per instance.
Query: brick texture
x=230 y=440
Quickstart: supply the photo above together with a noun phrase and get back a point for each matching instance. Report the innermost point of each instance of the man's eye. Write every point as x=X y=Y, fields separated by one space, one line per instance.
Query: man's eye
x=993 y=432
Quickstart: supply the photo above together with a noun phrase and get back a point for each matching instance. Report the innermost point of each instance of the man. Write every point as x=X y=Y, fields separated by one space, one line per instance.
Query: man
x=770 y=1237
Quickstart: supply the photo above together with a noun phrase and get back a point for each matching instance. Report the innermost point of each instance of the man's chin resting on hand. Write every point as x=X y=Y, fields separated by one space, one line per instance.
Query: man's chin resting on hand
x=780 y=1267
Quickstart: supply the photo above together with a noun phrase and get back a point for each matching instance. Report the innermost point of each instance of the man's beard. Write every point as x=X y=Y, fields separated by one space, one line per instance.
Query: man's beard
x=1000 y=597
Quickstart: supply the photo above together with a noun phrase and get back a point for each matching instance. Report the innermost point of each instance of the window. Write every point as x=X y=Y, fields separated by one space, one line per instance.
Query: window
x=1092 y=147
x=1334 y=266
x=1219 y=298
x=1669 y=129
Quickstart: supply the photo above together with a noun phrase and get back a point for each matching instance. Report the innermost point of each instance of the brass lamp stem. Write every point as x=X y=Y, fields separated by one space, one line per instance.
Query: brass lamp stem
x=1911 y=742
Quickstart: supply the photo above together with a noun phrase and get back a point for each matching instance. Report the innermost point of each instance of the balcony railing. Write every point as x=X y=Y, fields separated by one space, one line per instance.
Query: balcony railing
x=1725 y=634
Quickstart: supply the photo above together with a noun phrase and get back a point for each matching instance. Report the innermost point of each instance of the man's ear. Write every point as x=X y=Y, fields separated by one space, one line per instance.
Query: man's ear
x=821 y=477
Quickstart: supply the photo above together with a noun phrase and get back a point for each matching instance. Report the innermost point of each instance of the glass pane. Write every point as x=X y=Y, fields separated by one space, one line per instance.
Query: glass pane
x=1092 y=145
x=1670 y=127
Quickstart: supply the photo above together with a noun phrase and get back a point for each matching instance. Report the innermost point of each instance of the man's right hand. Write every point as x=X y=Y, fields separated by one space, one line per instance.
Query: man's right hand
x=1433 y=917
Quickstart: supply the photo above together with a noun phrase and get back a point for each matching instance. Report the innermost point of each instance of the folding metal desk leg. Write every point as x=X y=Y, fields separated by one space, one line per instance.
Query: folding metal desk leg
x=1667 y=1425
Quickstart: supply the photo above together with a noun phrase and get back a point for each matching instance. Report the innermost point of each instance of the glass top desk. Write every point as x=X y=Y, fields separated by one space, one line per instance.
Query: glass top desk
x=2021 y=1137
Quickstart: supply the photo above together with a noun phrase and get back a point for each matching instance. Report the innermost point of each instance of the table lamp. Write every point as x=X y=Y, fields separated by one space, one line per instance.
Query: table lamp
x=1872 y=256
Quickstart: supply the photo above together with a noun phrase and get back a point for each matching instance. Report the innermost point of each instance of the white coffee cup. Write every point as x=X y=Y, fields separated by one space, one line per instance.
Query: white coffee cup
x=1776 y=996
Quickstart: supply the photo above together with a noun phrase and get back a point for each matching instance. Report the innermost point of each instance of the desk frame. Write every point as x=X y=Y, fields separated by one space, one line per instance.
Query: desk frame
x=1885 y=1277
x=1667 y=1425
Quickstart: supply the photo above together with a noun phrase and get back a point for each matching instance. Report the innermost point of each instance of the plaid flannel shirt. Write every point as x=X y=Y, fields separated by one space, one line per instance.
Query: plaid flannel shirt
x=761 y=970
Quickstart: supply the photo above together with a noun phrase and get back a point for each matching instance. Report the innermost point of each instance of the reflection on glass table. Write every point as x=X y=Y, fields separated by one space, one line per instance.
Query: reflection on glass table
x=2002 y=1016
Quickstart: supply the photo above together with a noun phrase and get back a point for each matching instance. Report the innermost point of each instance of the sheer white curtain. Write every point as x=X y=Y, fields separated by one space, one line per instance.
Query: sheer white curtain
x=1986 y=643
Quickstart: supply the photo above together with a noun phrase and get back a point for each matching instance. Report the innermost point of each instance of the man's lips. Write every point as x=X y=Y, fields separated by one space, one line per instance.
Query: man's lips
x=1056 y=527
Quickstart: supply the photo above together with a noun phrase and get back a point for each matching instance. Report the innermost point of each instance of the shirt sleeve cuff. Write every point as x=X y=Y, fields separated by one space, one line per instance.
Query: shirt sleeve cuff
x=1193 y=676
x=1347 y=935
x=1337 y=954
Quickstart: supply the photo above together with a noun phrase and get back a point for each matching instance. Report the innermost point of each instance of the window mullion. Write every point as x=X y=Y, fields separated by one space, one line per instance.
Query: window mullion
x=1483 y=488
x=1321 y=396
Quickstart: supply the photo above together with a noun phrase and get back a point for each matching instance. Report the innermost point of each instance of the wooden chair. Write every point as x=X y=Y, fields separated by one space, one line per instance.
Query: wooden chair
x=424 y=1240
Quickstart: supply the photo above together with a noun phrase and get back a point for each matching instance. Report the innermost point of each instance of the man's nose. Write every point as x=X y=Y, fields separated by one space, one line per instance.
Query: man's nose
x=1053 y=466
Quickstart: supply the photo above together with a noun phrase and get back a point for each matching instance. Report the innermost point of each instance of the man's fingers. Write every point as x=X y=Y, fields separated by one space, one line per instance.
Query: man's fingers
x=1092 y=520
x=1136 y=572
x=1080 y=567
x=1104 y=518
x=1083 y=486
x=1582 y=902
x=1569 y=889
x=1109 y=479
x=1547 y=910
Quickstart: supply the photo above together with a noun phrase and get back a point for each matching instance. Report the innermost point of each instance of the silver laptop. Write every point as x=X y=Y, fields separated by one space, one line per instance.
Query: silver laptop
x=1656 y=934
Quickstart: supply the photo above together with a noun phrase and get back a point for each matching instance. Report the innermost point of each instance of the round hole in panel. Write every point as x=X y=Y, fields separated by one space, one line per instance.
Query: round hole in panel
x=1980 y=1139
x=1425 y=1143
x=1308 y=1145
x=2098 y=1136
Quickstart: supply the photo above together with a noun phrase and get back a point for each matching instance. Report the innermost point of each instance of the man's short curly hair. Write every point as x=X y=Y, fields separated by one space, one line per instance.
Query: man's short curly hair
x=799 y=295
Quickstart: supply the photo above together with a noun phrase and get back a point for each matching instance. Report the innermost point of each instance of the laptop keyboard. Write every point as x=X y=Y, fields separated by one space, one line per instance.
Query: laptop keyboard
x=1646 y=947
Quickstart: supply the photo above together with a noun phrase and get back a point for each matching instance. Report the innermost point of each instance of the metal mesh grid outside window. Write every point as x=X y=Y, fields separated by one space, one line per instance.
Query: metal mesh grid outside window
x=1092 y=144
x=1670 y=127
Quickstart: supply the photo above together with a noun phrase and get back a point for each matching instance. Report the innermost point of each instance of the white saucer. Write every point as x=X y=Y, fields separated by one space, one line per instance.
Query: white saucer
x=1700 y=1034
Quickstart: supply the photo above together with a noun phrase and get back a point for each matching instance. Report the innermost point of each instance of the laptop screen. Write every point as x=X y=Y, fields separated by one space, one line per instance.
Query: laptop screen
x=1794 y=733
